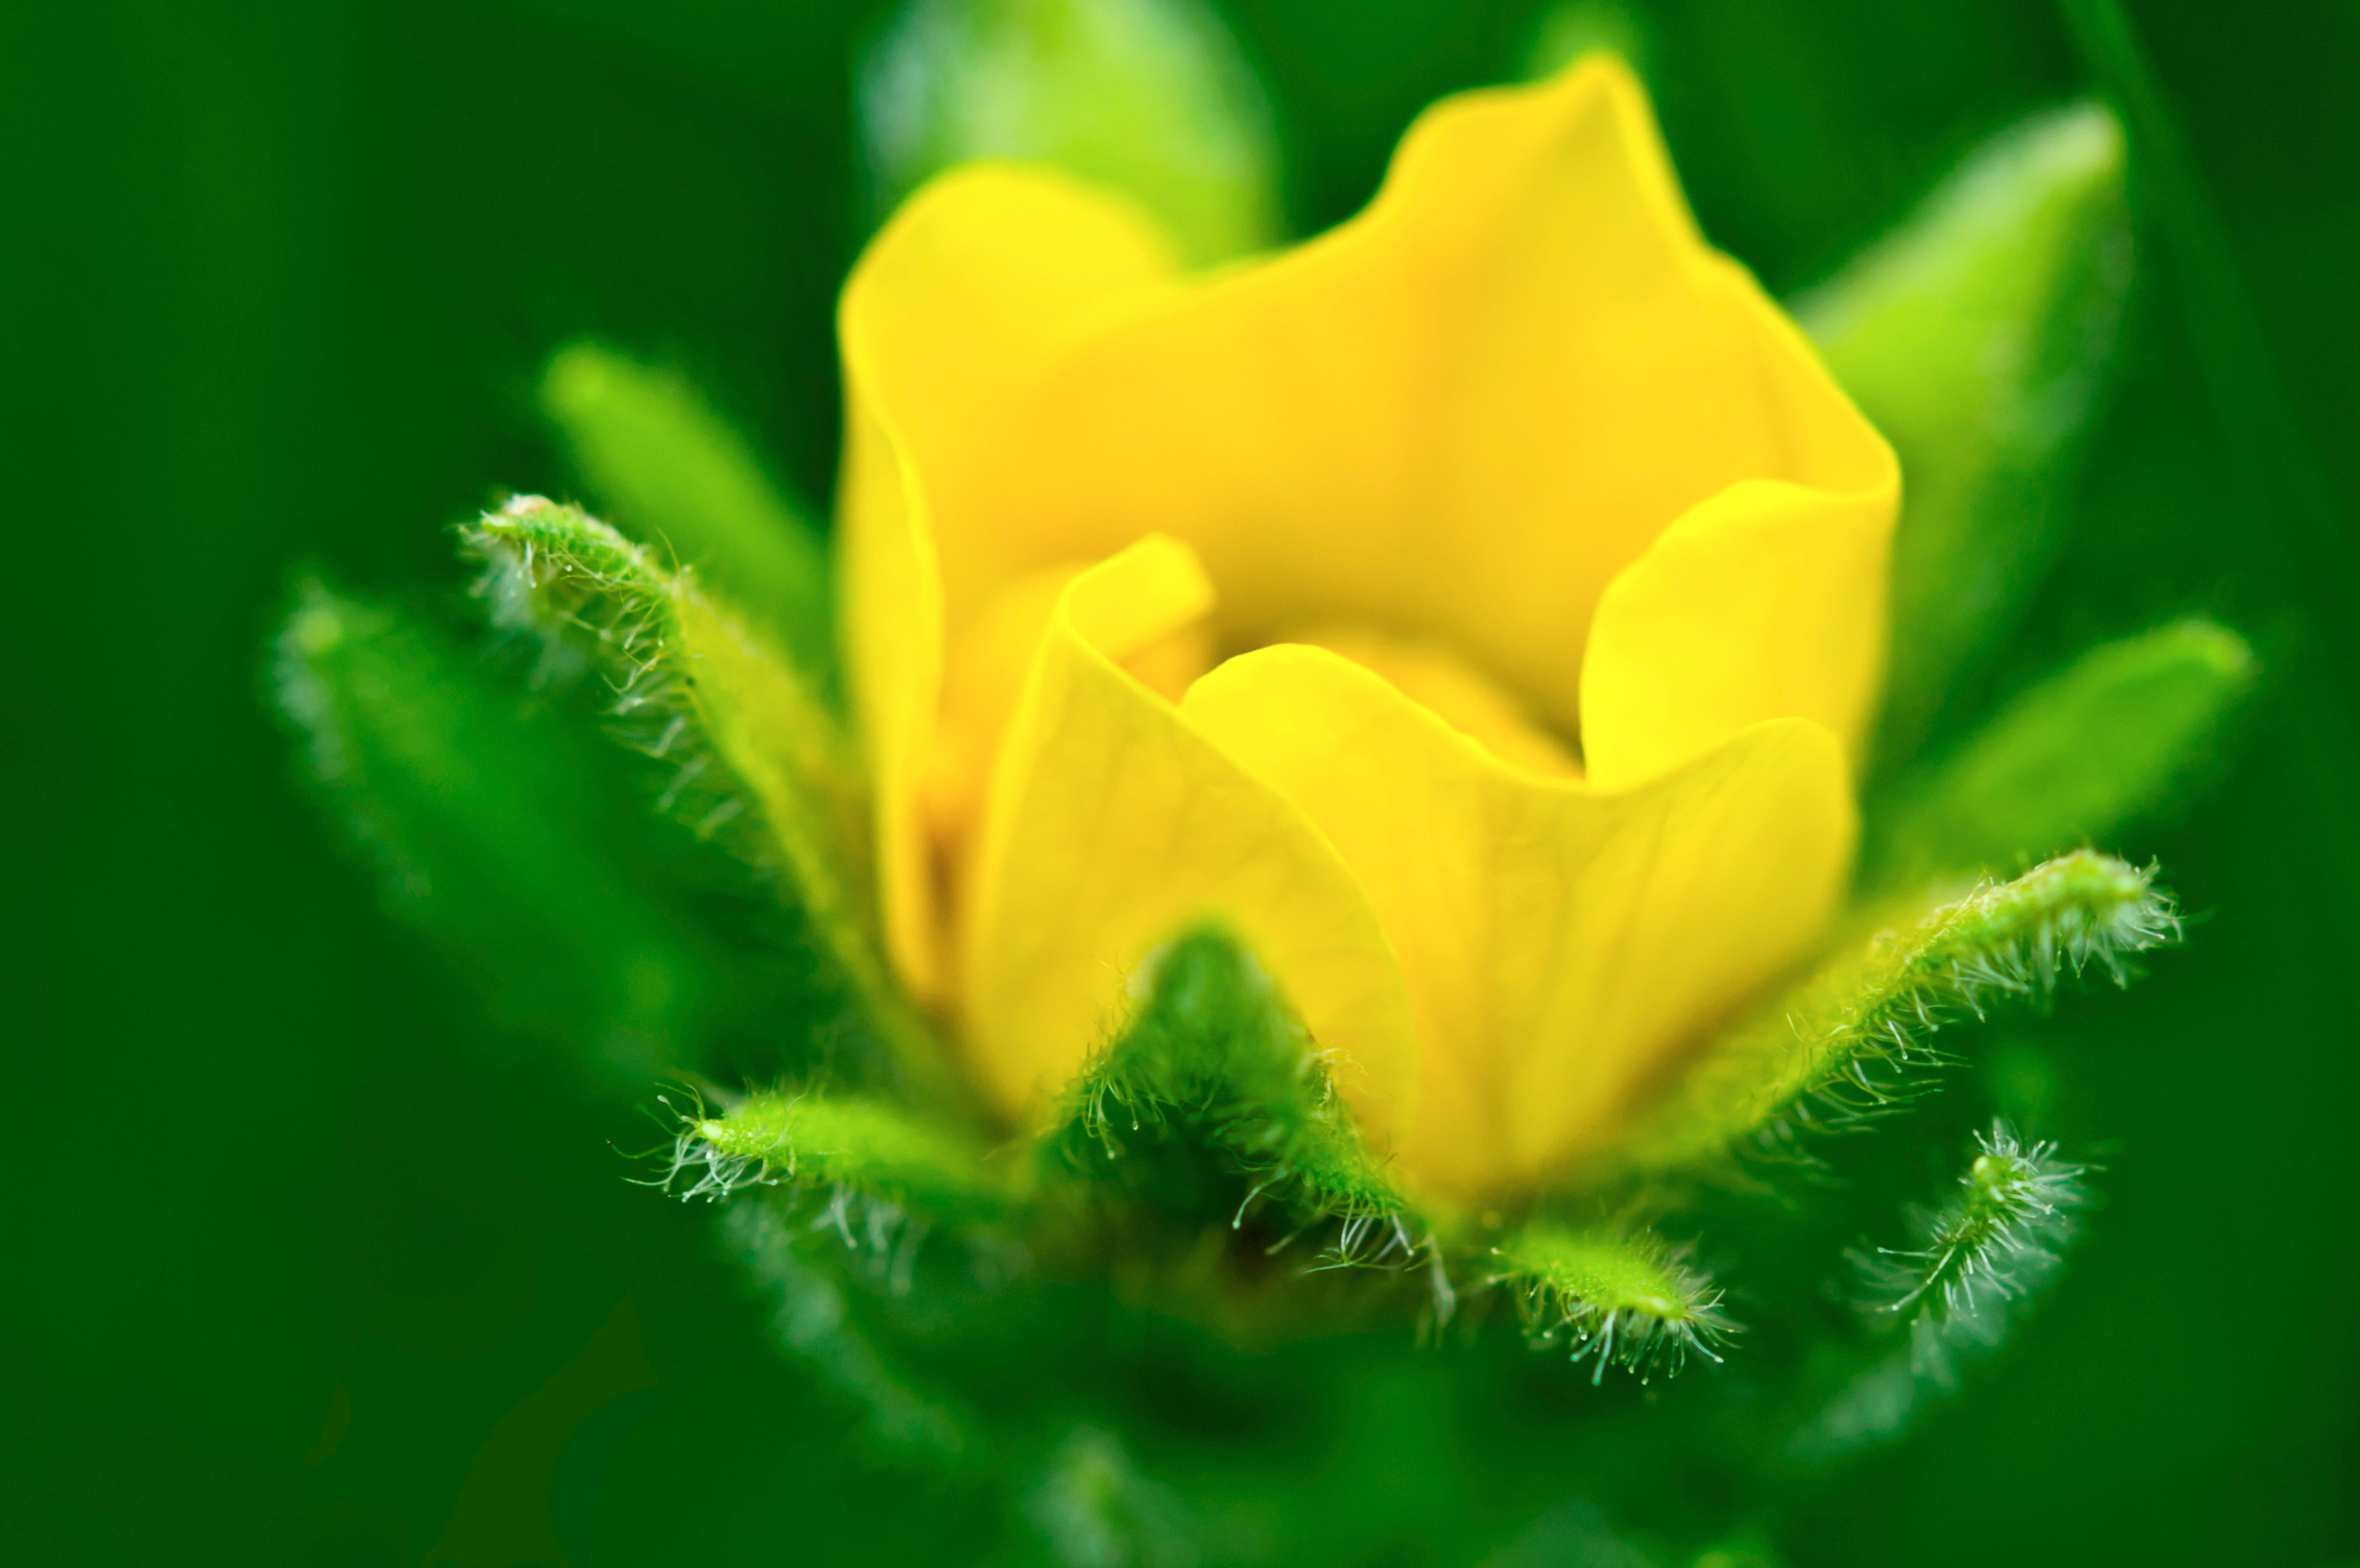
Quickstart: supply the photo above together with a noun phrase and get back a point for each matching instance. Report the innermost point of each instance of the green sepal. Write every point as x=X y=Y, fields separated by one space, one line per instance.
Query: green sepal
x=1617 y=1298
x=1215 y=1047
x=677 y=476
x=814 y=1319
x=1973 y=1265
x=931 y=1171
x=1840 y=1046
x=1093 y=1505
x=756 y=758
x=483 y=830
x=1151 y=97
x=1994 y=1242
x=2072 y=760
x=1977 y=336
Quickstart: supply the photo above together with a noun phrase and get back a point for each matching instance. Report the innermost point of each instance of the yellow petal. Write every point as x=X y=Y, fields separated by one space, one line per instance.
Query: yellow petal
x=1113 y=824
x=982 y=678
x=891 y=628
x=1562 y=944
x=970 y=282
x=1457 y=416
x=985 y=676
x=1765 y=602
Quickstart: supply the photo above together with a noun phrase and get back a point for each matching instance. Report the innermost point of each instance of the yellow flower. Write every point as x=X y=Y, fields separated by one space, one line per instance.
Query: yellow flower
x=1280 y=594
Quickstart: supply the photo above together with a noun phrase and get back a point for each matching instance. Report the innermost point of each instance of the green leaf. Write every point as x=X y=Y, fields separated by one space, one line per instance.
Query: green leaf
x=1213 y=1047
x=2073 y=759
x=483 y=831
x=1977 y=336
x=678 y=476
x=1617 y=1299
x=757 y=757
x=1149 y=96
x=1826 y=1052
x=879 y=1150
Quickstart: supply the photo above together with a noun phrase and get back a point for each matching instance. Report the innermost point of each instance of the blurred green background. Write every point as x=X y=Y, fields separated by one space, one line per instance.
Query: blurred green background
x=292 y=1230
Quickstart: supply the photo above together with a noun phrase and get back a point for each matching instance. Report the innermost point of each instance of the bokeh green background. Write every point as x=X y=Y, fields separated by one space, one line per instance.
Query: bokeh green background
x=290 y=1228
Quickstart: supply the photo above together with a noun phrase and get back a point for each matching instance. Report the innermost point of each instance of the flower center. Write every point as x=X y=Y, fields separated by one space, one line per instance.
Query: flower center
x=985 y=673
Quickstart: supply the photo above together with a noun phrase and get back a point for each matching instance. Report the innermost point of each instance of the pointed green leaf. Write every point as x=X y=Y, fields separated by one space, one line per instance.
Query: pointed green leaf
x=756 y=757
x=1976 y=336
x=1618 y=1298
x=679 y=478
x=1826 y=1052
x=2072 y=760
x=483 y=831
x=1149 y=96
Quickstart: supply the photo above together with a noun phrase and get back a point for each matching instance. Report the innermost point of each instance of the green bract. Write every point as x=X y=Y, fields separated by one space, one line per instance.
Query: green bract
x=482 y=833
x=678 y=476
x=1976 y=336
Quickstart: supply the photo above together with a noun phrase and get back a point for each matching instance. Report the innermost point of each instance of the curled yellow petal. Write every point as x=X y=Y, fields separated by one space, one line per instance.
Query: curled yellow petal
x=1765 y=602
x=1562 y=943
x=985 y=673
x=1112 y=825
x=964 y=292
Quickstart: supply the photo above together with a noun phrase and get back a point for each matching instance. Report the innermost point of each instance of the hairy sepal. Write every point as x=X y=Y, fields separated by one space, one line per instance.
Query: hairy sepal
x=477 y=818
x=756 y=758
x=1213 y=1049
x=676 y=474
x=868 y=1146
x=1614 y=1298
x=1974 y=1264
x=1998 y=1239
x=1843 y=1046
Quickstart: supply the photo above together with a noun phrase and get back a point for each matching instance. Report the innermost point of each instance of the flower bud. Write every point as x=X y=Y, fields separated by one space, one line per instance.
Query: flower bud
x=1149 y=96
x=1572 y=28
